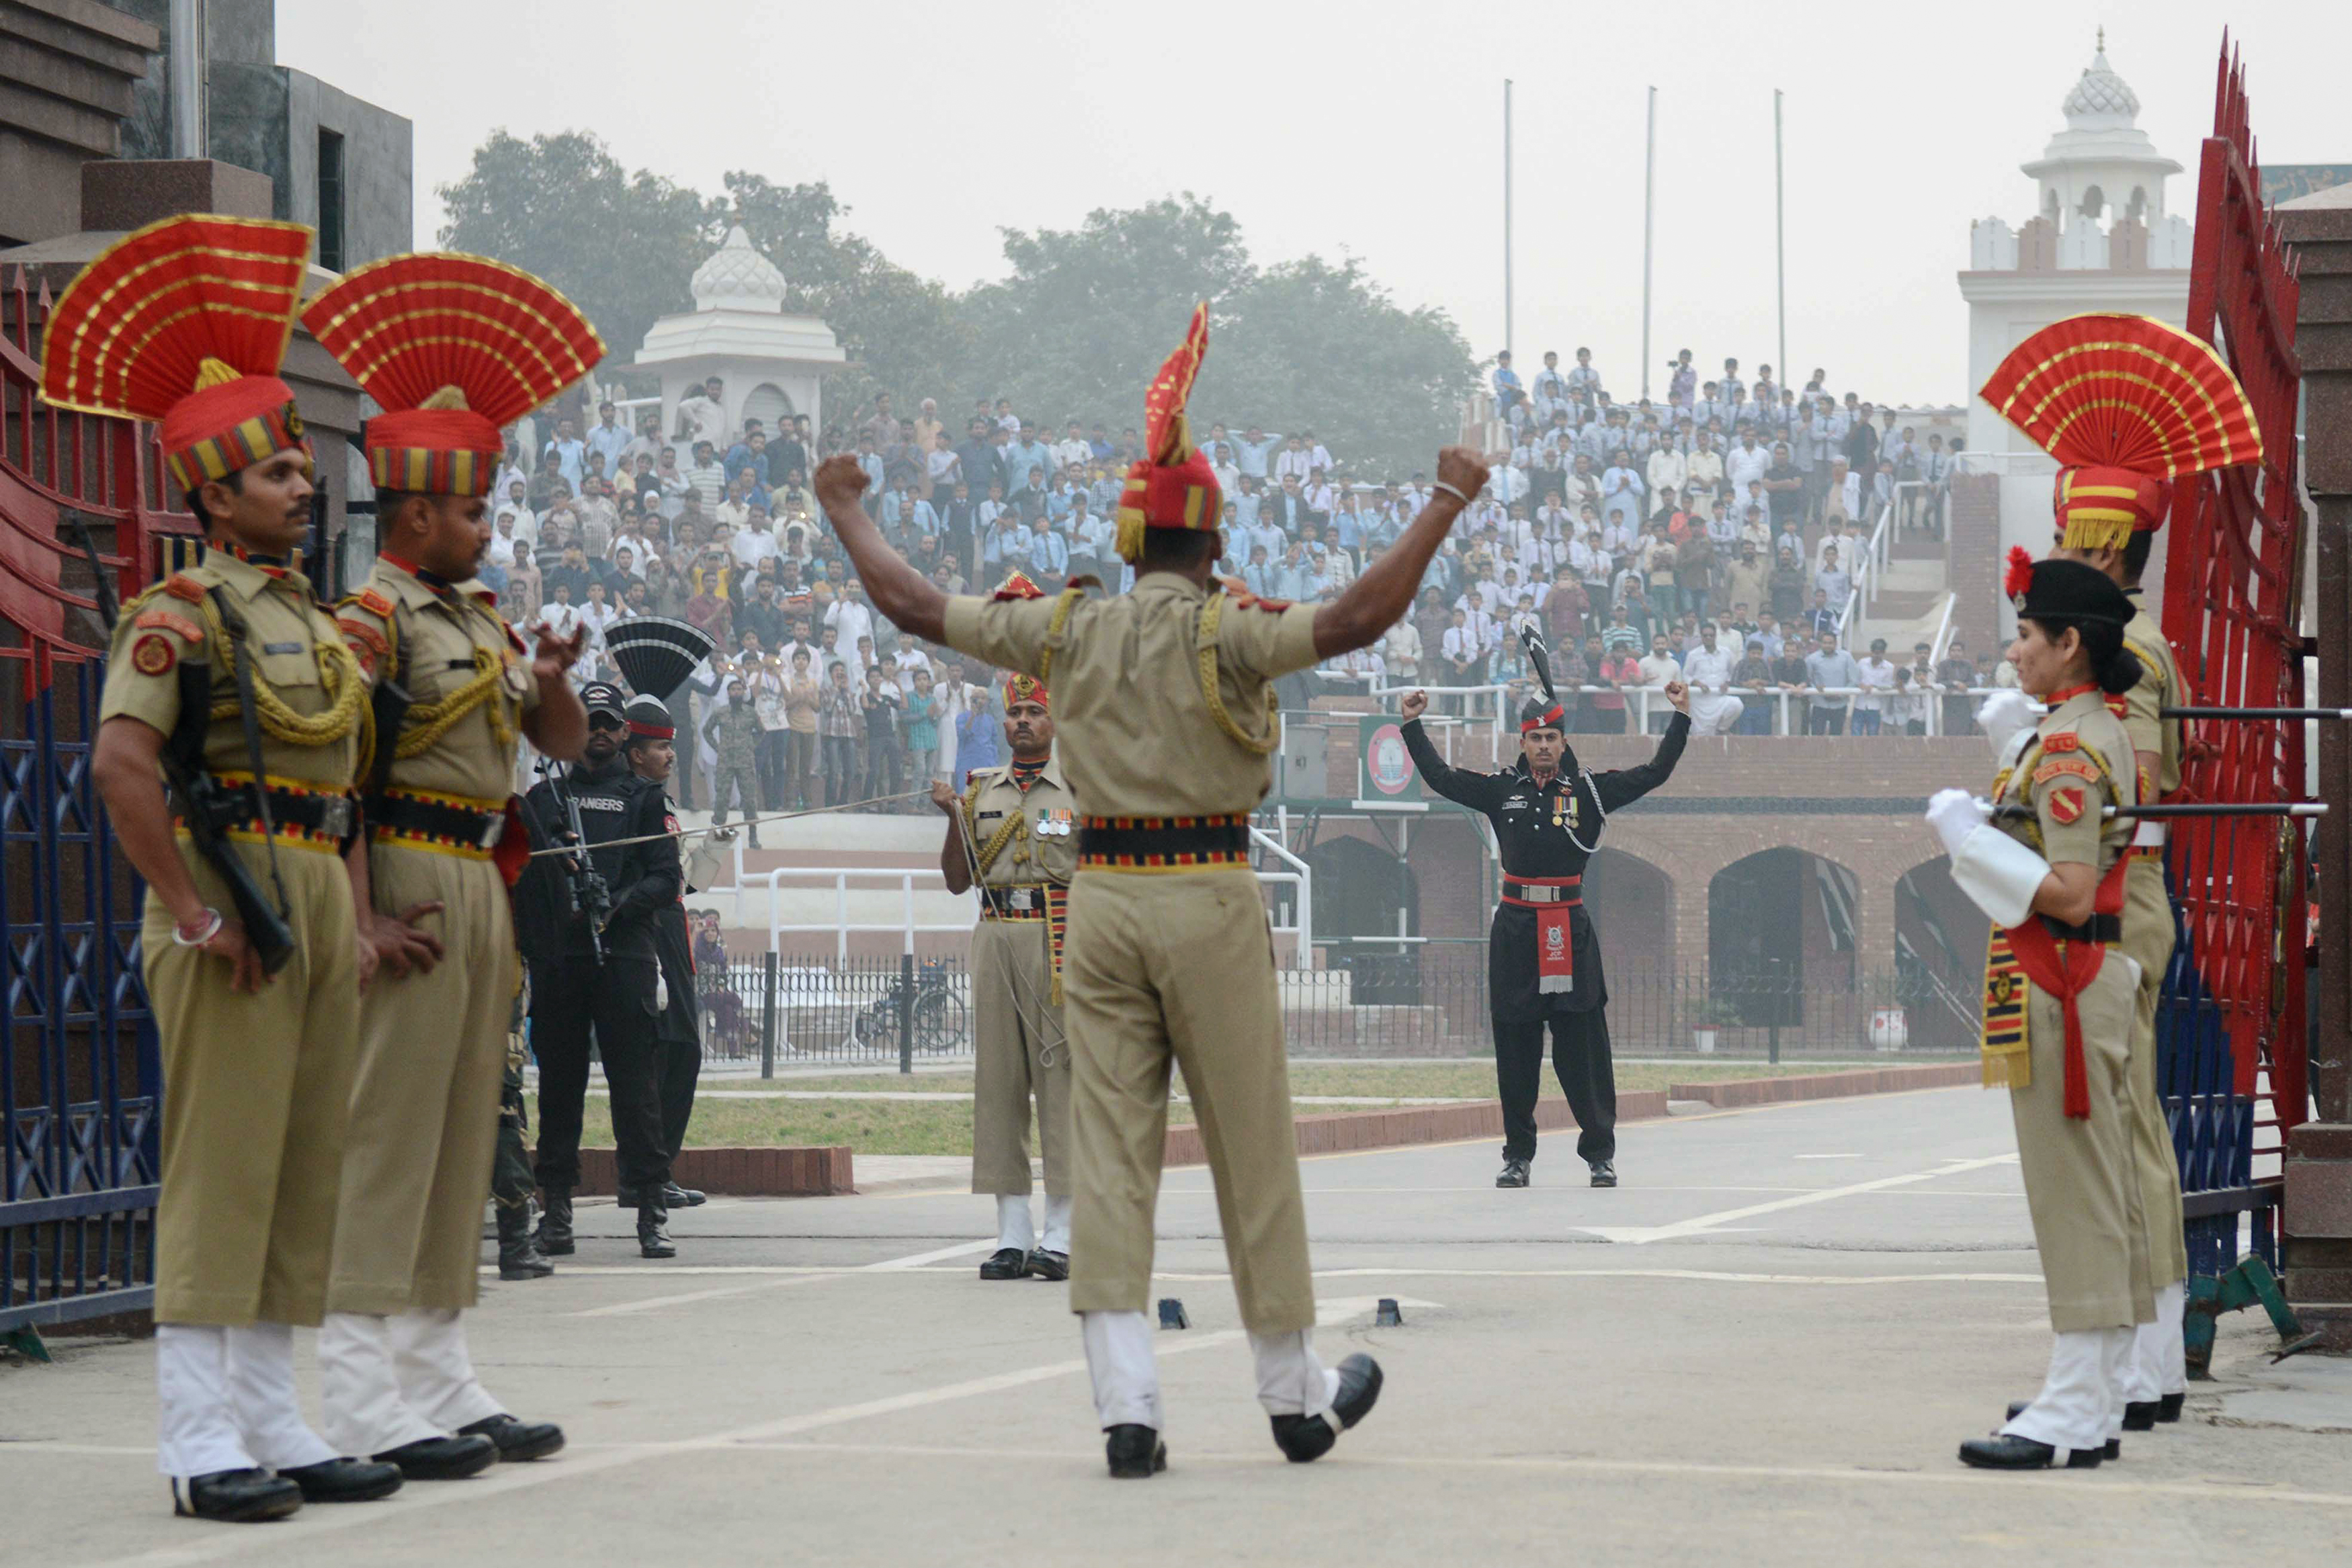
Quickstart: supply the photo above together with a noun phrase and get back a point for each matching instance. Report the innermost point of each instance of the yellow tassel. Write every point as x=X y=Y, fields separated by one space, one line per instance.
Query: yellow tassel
x=1130 y=537
x=446 y=398
x=213 y=373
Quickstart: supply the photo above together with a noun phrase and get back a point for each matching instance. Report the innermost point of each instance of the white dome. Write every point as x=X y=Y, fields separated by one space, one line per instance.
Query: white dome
x=2101 y=94
x=738 y=278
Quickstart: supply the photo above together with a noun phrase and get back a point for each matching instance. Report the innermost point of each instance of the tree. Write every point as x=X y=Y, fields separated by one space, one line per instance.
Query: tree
x=621 y=246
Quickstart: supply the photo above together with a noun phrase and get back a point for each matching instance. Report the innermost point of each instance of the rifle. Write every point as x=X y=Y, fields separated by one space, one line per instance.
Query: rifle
x=591 y=894
x=206 y=805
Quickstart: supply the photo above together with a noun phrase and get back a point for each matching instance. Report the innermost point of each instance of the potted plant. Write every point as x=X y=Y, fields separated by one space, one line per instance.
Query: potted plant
x=1707 y=1016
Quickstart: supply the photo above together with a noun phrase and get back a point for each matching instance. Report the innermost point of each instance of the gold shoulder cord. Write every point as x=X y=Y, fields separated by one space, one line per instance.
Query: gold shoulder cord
x=1067 y=602
x=339 y=671
x=1015 y=824
x=1205 y=643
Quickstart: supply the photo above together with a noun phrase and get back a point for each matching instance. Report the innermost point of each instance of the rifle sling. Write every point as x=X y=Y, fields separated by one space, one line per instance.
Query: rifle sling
x=241 y=663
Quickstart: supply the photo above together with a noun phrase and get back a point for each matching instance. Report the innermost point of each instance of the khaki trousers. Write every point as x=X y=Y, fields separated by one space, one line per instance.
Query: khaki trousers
x=424 y=1110
x=257 y=1095
x=2081 y=1185
x=1178 y=969
x=1020 y=1050
x=2148 y=934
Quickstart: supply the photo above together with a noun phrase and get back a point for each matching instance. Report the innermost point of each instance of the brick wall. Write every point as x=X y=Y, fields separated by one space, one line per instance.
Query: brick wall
x=1974 y=561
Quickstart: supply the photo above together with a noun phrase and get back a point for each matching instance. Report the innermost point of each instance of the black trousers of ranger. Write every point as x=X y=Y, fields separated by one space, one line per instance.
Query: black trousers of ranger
x=1580 y=1055
x=618 y=997
x=681 y=1070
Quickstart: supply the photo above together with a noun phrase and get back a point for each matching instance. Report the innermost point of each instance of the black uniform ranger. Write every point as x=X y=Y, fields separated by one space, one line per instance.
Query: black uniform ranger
x=652 y=751
x=1543 y=959
x=587 y=934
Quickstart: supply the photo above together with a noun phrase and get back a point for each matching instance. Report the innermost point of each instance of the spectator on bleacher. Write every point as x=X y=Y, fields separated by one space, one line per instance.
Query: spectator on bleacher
x=1830 y=676
x=1956 y=674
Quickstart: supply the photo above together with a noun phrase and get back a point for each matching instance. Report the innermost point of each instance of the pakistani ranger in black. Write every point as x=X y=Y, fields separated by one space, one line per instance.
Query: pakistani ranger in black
x=1543 y=959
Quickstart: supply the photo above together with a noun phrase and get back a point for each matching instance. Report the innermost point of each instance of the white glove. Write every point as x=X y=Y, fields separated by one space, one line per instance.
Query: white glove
x=2003 y=714
x=661 y=993
x=1999 y=875
x=1955 y=814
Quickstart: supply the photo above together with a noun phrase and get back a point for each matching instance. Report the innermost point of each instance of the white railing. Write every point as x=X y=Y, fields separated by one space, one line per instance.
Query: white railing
x=1942 y=640
x=1301 y=877
x=1641 y=702
x=1868 y=569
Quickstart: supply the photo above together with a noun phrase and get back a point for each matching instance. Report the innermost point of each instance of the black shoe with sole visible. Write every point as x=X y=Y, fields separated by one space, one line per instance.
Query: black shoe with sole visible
x=2140 y=1415
x=555 y=1224
x=2003 y=1452
x=1005 y=1263
x=237 y=1496
x=653 y=1236
x=1308 y=1437
x=1045 y=1264
x=516 y=1440
x=1604 y=1173
x=678 y=1197
x=1515 y=1173
x=519 y=1256
x=344 y=1480
x=441 y=1459
x=1135 y=1451
x=2168 y=1408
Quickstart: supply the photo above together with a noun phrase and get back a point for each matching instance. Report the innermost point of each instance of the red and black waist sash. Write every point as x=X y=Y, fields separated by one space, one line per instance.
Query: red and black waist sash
x=1163 y=843
x=1552 y=897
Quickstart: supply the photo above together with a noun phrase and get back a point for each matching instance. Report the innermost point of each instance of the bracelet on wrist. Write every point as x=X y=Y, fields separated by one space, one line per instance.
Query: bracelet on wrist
x=1451 y=490
x=198 y=931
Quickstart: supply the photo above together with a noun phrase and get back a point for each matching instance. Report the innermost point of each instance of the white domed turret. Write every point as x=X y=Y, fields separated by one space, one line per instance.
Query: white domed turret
x=2102 y=166
x=2101 y=99
x=738 y=278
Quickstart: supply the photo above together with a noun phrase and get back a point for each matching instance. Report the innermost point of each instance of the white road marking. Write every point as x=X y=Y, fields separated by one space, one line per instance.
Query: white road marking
x=1853 y=1156
x=505 y=1479
x=892 y=1265
x=1642 y=1235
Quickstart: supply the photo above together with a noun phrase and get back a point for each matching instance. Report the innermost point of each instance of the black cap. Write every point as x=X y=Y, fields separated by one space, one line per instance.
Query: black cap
x=2064 y=590
x=604 y=697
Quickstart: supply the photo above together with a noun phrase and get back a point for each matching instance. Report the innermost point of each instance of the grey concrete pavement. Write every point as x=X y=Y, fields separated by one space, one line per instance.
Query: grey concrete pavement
x=1763 y=1348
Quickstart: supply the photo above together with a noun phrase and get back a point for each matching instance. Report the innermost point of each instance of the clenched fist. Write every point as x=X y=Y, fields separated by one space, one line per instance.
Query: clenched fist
x=839 y=482
x=1415 y=704
x=1461 y=468
x=944 y=797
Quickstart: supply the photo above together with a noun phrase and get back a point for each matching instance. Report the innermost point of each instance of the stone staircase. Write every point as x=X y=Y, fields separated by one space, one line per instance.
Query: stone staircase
x=1910 y=599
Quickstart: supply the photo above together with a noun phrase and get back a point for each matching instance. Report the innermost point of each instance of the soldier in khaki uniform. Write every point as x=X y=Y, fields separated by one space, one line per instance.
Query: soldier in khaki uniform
x=456 y=691
x=2113 y=494
x=230 y=676
x=1165 y=698
x=2059 y=1002
x=1016 y=829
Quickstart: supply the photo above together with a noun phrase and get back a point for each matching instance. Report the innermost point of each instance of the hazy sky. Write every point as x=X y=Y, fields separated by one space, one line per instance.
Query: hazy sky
x=1375 y=129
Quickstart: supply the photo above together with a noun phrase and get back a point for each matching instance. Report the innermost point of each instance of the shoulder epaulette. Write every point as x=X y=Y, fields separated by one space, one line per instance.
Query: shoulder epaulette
x=374 y=602
x=180 y=585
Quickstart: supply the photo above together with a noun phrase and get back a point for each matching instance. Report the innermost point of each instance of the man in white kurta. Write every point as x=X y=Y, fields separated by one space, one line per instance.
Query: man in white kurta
x=1708 y=671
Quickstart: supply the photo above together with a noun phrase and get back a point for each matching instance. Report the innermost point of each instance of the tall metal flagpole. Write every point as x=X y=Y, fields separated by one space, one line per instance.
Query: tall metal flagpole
x=1649 y=216
x=1779 y=241
x=1507 y=213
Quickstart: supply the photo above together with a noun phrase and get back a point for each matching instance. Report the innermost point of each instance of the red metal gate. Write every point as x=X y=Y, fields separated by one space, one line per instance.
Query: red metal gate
x=2232 y=1032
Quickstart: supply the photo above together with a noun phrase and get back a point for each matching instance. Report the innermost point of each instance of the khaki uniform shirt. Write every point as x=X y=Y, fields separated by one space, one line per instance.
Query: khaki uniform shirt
x=286 y=631
x=2160 y=686
x=2078 y=761
x=1042 y=844
x=1129 y=698
x=444 y=639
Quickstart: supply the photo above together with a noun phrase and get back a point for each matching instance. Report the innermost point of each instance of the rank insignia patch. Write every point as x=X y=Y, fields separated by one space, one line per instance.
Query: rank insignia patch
x=2066 y=806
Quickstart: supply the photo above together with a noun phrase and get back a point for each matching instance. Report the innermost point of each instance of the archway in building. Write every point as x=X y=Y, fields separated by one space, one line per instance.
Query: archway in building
x=1780 y=923
x=2095 y=202
x=1631 y=904
x=1363 y=891
x=1940 y=954
x=771 y=407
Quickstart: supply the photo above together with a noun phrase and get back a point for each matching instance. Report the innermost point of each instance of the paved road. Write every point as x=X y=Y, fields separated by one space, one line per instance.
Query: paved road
x=1764 y=1348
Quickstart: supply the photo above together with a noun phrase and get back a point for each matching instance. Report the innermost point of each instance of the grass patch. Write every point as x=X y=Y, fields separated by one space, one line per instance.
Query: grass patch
x=944 y=1127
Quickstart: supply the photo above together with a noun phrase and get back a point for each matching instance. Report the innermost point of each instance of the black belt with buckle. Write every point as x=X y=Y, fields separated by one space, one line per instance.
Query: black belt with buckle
x=1543 y=892
x=432 y=818
x=1020 y=903
x=2107 y=928
x=322 y=815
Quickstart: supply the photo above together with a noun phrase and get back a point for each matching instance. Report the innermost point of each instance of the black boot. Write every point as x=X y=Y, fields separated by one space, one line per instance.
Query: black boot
x=653 y=1240
x=519 y=1256
x=555 y=1224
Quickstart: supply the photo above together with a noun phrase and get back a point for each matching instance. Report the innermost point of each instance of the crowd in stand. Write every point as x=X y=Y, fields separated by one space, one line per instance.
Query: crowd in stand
x=1724 y=523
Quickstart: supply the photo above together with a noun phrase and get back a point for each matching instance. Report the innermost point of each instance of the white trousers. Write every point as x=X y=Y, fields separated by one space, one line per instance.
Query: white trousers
x=2081 y=1405
x=398 y=1380
x=1015 y=1227
x=2159 y=1359
x=1291 y=1379
x=225 y=1400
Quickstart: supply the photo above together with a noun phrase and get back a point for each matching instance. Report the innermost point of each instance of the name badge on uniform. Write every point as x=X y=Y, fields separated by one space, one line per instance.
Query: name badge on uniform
x=601 y=803
x=282 y=647
x=1515 y=803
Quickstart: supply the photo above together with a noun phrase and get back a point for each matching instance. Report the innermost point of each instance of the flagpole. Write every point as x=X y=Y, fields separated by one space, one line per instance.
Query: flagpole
x=1649 y=218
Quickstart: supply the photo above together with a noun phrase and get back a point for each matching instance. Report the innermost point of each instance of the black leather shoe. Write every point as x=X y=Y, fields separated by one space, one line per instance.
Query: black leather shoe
x=1005 y=1263
x=1604 y=1173
x=555 y=1224
x=1045 y=1265
x=516 y=1440
x=237 y=1496
x=2168 y=1409
x=653 y=1234
x=2003 y=1452
x=344 y=1480
x=2140 y=1415
x=2114 y=1449
x=678 y=1197
x=1135 y=1452
x=1305 y=1438
x=1515 y=1173
x=442 y=1459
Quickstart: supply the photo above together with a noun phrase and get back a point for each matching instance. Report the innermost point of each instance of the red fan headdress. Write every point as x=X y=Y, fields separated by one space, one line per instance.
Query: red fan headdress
x=1174 y=487
x=2128 y=405
x=1019 y=687
x=455 y=348
x=185 y=322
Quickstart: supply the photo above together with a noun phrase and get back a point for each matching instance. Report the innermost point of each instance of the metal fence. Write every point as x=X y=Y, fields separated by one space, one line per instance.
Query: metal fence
x=787 y=1009
x=795 y=1009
